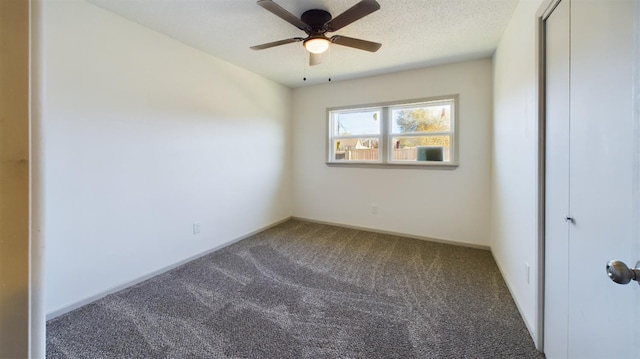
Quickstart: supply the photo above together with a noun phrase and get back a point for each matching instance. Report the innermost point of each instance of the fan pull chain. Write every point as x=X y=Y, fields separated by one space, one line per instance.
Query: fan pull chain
x=329 y=50
x=305 y=61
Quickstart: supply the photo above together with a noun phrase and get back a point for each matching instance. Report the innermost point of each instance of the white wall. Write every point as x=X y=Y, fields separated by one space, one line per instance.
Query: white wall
x=449 y=205
x=514 y=229
x=141 y=136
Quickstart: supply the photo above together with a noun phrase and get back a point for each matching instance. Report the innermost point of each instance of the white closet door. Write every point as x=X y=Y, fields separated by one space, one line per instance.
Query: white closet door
x=592 y=176
x=602 y=315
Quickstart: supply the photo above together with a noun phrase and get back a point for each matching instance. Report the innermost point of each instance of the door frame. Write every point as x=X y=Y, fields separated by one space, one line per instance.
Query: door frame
x=544 y=11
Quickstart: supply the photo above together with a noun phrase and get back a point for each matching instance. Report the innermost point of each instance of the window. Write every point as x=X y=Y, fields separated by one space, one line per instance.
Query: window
x=413 y=133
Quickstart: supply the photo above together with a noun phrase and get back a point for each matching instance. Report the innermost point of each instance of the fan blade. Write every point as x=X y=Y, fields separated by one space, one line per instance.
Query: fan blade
x=315 y=59
x=358 y=11
x=283 y=14
x=356 y=43
x=276 y=43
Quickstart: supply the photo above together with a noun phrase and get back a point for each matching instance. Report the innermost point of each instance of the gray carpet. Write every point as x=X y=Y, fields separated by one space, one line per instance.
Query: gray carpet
x=305 y=290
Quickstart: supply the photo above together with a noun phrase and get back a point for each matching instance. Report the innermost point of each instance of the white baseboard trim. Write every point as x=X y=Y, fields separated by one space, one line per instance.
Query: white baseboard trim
x=120 y=287
x=374 y=230
x=515 y=300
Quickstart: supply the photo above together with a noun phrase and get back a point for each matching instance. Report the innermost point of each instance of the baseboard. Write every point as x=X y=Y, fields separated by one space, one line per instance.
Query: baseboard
x=374 y=230
x=141 y=279
x=515 y=300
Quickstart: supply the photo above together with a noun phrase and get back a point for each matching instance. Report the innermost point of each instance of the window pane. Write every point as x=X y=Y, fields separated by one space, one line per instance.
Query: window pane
x=365 y=122
x=421 y=148
x=431 y=118
x=356 y=149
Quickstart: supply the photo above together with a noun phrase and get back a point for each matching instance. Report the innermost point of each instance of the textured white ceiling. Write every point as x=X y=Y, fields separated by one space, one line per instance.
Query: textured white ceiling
x=413 y=33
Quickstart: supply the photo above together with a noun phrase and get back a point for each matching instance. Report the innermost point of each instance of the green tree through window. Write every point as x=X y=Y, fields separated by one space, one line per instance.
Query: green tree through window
x=431 y=120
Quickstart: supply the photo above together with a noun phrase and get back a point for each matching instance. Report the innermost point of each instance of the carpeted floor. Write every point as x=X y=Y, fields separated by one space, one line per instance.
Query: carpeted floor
x=305 y=290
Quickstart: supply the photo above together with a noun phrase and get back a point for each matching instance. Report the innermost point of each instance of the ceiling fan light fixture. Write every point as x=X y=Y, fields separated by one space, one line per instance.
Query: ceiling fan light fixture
x=317 y=45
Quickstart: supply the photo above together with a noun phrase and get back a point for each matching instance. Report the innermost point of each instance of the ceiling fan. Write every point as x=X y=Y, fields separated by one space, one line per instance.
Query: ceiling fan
x=316 y=23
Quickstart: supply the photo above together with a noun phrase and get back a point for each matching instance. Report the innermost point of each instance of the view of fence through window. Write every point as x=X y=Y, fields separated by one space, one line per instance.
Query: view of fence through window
x=421 y=133
x=357 y=135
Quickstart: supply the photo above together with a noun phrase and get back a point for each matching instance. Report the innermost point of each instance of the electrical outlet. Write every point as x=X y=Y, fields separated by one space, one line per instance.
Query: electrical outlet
x=196 y=227
x=374 y=209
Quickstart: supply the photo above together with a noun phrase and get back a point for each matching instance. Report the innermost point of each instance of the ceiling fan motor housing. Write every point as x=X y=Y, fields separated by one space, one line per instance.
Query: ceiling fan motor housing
x=316 y=19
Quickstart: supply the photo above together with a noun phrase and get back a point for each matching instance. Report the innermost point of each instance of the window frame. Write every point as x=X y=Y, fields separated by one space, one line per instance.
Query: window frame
x=385 y=156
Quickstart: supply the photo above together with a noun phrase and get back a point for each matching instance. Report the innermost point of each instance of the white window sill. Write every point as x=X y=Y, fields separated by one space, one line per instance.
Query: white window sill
x=425 y=166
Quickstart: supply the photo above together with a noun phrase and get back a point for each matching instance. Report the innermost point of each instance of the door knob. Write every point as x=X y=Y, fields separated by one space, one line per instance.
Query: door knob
x=621 y=274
